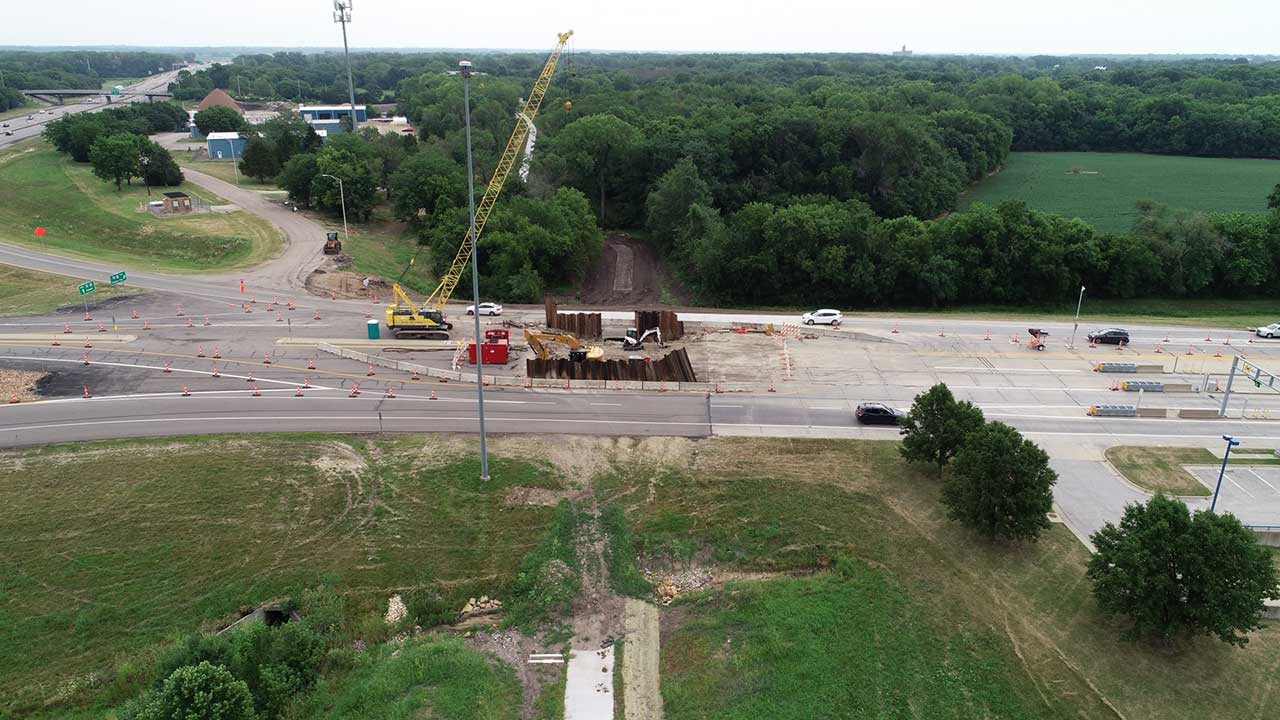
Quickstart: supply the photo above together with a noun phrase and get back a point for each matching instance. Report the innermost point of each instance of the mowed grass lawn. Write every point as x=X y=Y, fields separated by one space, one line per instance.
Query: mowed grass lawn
x=224 y=170
x=910 y=615
x=27 y=292
x=108 y=550
x=86 y=217
x=1105 y=194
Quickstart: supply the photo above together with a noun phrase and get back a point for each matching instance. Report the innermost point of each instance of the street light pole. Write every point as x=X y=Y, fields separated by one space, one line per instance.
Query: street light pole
x=145 y=161
x=465 y=70
x=342 y=16
x=1079 y=302
x=1231 y=442
x=342 y=199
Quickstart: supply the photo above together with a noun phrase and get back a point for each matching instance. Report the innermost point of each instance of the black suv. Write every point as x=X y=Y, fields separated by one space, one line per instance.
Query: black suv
x=1113 y=336
x=877 y=414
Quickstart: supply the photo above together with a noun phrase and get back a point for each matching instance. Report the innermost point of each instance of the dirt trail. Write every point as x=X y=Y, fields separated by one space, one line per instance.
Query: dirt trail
x=628 y=273
x=640 y=669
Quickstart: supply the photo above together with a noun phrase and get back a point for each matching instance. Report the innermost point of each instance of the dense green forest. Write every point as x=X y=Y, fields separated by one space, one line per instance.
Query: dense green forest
x=771 y=179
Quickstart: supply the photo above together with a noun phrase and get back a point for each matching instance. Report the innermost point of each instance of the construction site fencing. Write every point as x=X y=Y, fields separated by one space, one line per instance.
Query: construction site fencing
x=581 y=325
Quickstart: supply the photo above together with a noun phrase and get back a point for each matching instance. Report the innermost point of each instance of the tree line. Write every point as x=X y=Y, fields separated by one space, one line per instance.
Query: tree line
x=778 y=179
x=24 y=69
x=115 y=142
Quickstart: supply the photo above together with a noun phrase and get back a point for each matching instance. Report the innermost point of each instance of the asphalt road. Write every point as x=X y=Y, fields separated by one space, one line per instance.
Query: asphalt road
x=24 y=129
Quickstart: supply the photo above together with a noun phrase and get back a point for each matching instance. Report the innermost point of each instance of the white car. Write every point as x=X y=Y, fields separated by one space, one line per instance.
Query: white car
x=489 y=309
x=822 y=317
x=1269 y=331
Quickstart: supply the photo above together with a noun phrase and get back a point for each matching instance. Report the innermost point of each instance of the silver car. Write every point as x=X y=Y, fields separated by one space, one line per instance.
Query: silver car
x=1269 y=331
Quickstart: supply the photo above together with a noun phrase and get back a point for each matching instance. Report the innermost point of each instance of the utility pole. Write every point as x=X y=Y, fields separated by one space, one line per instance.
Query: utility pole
x=1076 y=326
x=465 y=70
x=342 y=16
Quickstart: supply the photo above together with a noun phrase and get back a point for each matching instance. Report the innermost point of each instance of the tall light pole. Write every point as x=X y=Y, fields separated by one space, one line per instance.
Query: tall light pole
x=1231 y=442
x=464 y=68
x=1072 y=344
x=342 y=199
x=342 y=16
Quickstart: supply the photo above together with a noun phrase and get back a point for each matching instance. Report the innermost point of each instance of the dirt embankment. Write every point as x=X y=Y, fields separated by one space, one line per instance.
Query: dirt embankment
x=628 y=273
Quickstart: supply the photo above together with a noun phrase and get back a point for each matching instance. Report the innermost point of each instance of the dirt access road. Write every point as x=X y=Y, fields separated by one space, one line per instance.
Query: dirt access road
x=628 y=273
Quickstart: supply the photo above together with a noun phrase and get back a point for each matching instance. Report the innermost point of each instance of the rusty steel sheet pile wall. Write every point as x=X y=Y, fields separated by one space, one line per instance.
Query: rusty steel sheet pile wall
x=582 y=325
x=675 y=367
x=665 y=320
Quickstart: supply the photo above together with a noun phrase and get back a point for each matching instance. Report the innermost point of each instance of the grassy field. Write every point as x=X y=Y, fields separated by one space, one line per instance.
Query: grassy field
x=383 y=247
x=1160 y=468
x=1105 y=193
x=221 y=169
x=847 y=644
x=429 y=678
x=109 y=550
x=27 y=292
x=1006 y=630
x=86 y=217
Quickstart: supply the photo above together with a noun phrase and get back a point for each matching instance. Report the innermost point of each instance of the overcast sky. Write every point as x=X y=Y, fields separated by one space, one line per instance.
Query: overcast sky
x=928 y=26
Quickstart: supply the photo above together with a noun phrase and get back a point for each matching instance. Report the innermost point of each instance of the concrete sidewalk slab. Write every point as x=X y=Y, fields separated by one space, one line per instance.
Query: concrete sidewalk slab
x=588 y=689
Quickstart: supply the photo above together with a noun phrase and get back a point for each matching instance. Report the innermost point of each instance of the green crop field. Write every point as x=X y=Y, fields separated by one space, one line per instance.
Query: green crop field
x=86 y=217
x=1101 y=188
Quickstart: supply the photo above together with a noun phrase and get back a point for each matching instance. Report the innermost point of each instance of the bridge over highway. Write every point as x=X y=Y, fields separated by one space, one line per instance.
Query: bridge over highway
x=59 y=96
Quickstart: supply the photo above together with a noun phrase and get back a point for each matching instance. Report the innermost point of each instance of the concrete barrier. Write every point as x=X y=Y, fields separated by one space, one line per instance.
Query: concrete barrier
x=1178 y=388
x=1153 y=412
x=1269 y=537
x=1151 y=369
x=1198 y=413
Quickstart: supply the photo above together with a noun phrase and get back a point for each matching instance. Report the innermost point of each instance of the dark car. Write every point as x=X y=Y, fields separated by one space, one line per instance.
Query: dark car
x=1113 y=336
x=877 y=414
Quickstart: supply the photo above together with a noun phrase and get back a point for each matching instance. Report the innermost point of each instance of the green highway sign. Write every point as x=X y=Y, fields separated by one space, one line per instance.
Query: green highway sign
x=88 y=287
x=118 y=278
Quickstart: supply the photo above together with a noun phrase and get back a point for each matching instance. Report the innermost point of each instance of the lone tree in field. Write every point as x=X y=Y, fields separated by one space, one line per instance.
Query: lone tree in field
x=1000 y=484
x=937 y=426
x=1178 y=575
x=115 y=157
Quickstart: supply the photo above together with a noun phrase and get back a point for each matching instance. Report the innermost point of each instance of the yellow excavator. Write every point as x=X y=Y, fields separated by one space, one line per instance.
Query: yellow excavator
x=539 y=339
x=404 y=319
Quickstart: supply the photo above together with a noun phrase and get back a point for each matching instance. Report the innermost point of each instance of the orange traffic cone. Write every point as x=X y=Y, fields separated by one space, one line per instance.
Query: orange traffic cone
x=216 y=353
x=311 y=363
x=250 y=378
x=199 y=351
x=215 y=370
x=135 y=314
x=146 y=324
x=86 y=392
x=987 y=336
x=87 y=343
x=942 y=332
x=297 y=392
x=66 y=329
x=433 y=394
x=415 y=374
x=166 y=367
x=317 y=315
x=185 y=391
x=179 y=311
x=101 y=327
x=370 y=373
x=355 y=390
x=266 y=358
x=55 y=341
x=895 y=329
x=190 y=323
x=390 y=393
x=305 y=382
x=86 y=358
x=255 y=390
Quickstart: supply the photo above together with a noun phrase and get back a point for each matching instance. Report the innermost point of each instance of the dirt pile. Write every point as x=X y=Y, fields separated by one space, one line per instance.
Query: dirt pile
x=20 y=384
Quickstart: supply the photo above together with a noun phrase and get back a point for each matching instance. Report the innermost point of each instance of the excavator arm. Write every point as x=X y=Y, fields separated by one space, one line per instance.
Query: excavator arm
x=538 y=340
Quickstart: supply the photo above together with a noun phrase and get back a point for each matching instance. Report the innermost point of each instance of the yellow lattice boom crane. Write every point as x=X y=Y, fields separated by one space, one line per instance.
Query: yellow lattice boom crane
x=403 y=318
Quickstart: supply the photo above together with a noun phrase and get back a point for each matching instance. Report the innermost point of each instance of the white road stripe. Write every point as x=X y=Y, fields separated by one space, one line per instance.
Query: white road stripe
x=1004 y=370
x=1262 y=479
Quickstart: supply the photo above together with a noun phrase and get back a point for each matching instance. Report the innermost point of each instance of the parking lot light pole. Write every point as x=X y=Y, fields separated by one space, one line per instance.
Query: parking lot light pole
x=1231 y=442
x=464 y=68
x=1076 y=326
x=342 y=200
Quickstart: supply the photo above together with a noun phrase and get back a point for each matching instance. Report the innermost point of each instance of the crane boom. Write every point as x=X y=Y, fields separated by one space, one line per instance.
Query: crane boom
x=438 y=297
